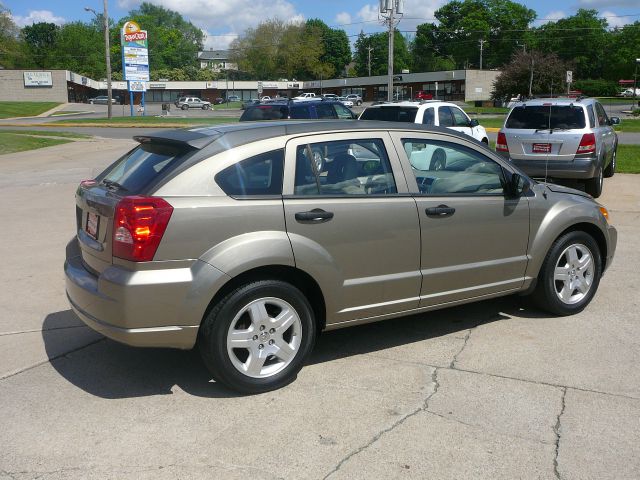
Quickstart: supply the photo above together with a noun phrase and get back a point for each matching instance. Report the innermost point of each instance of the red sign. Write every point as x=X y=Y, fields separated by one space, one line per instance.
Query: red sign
x=541 y=148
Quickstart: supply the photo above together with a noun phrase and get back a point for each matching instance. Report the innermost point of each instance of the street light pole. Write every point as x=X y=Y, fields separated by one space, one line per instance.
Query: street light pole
x=105 y=27
x=388 y=10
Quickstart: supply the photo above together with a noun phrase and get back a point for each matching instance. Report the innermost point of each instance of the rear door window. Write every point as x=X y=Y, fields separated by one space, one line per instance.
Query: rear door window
x=536 y=117
x=391 y=114
x=602 y=116
x=325 y=110
x=342 y=111
x=429 y=117
x=445 y=117
x=259 y=175
x=592 y=117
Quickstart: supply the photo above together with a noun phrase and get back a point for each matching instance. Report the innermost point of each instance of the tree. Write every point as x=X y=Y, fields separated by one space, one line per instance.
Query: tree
x=335 y=45
x=79 y=47
x=622 y=52
x=425 y=56
x=12 y=50
x=379 y=42
x=545 y=70
x=40 y=39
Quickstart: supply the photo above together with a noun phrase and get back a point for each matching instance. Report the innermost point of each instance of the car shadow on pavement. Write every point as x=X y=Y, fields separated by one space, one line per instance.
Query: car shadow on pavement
x=110 y=370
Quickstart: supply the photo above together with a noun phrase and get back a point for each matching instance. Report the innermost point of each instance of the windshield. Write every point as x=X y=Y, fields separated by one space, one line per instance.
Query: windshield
x=390 y=114
x=547 y=116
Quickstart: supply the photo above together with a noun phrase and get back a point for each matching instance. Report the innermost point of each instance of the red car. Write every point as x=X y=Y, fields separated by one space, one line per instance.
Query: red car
x=422 y=95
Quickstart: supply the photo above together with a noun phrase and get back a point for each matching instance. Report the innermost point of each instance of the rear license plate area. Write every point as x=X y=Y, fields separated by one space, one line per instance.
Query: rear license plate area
x=93 y=225
x=541 y=148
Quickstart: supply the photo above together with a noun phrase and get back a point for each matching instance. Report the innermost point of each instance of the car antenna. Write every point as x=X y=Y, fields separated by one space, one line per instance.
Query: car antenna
x=546 y=162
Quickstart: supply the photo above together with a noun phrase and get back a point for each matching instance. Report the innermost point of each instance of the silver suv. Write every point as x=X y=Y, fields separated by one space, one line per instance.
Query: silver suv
x=561 y=138
x=185 y=103
x=248 y=240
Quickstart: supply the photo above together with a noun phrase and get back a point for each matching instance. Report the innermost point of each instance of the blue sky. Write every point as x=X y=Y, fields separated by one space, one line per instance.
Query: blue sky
x=223 y=20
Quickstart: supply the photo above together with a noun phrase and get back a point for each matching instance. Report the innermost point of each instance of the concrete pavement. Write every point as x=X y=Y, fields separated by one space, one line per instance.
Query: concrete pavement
x=491 y=390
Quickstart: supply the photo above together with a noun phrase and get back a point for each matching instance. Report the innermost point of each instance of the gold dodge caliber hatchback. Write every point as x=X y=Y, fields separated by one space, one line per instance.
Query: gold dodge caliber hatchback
x=248 y=240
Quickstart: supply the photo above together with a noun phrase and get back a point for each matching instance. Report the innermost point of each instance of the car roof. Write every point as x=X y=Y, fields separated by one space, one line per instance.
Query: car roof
x=409 y=103
x=556 y=101
x=242 y=133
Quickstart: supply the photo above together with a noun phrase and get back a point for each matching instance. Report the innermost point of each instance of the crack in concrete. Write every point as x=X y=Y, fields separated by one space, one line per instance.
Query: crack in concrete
x=381 y=433
x=452 y=365
x=558 y=431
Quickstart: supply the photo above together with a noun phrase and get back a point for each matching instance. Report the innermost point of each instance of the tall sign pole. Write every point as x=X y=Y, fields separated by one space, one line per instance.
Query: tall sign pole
x=390 y=11
x=135 y=59
x=107 y=58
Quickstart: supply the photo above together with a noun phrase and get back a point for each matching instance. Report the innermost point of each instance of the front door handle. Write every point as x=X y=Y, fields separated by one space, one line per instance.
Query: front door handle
x=317 y=215
x=440 y=211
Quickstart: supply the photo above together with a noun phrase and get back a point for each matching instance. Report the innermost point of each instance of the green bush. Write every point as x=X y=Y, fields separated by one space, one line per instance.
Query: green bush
x=597 y=88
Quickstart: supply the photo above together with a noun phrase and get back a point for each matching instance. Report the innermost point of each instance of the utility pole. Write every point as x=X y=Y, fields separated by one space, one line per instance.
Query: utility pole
x=391 y=11
x=531 y=77
x=369 y=49
x=105 y=27
x=482 y=42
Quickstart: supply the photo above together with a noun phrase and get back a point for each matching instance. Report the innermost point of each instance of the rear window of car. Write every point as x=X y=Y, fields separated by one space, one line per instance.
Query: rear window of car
x=546 y=116
x=265 y=112
x=390 y=114
x=259 y=175
x=143 y=165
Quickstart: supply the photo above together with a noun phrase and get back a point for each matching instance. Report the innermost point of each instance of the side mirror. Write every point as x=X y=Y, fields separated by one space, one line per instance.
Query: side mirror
x=473 y=123
x=614 y=121
x=517 y=186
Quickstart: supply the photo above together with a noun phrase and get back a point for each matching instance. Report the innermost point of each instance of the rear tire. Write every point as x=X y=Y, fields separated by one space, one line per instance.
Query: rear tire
x=185 y=107
x=593 y=186
x=611 y=168
x=205 y=107
x=257 y=338
x=570 y=274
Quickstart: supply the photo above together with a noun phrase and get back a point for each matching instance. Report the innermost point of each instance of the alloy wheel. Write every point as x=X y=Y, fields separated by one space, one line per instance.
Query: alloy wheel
x=574 y=273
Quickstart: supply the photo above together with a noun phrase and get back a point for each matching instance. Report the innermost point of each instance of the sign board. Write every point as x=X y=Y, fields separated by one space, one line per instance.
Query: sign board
x=137 y=86
x=38 y=79
x=269 y=84
x=135 y=52
x=569 y=76
x=259 y=88
x=157 y=85
x=212 y=84
x=478 y=89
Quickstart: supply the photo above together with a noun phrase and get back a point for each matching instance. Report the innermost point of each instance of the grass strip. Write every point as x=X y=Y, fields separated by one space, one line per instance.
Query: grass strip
x=12 y=143
x=25 y=109
x=45 y=133
x=628 y=159
x=144 y=121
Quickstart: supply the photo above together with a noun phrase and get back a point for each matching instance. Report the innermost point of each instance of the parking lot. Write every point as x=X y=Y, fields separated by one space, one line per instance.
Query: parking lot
x=493 y=390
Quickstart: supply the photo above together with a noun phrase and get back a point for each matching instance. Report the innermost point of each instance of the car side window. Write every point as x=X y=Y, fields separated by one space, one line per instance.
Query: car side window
x=446 y=119
x=443 y=168
x=344 y=167
x=300 y=111
x=259 y=175
x=428 y=118
x=325 y=110
x=592 y=117
x=342 y=111
x=602 y=116
x=459 y=118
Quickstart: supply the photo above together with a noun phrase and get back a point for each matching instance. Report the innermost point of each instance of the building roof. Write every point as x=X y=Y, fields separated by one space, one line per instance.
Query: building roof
x=213 y=55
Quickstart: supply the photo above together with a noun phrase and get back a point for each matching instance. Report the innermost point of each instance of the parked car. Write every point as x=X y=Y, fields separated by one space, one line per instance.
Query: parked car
x=185 y=103
x=266 y=98
x=233 y=98
x=322 y=109
x=561 y=138
x=356 y=99
x=330 y=96
x=305 y=97
x=629 y=92
x=218 y=101
x=422 y=95
x=345 y=101
x=249 y=103
x=102 y=100
x=248 y=240
x=431 y=113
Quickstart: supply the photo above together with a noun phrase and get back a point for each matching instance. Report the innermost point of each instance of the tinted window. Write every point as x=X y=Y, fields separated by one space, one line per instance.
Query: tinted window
x=445 y=117
x=325 y=110
x=443 y=168
x=345 y=167
x=342 y=111
x=602 y=116
x=141 y=166
x=543 y=116
x=592 y=117
x=265 y=112
x=459 y=118
x=259 y=175
x=300 y=111
x=429 y=117
x=390 y=114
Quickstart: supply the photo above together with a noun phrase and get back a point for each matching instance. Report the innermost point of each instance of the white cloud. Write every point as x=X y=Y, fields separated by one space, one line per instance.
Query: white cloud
x=552 y=16
x=37 y=16
x=218 y=41
x=616 y=21
x=607 y=3
x=416 y=12
x=343 y=18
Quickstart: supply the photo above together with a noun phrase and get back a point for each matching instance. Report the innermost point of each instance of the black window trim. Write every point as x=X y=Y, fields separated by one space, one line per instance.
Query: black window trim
x=259 y=196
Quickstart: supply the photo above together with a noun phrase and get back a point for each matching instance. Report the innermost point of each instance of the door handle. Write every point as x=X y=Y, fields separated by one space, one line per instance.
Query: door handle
x=440 y=211
x=317 y=215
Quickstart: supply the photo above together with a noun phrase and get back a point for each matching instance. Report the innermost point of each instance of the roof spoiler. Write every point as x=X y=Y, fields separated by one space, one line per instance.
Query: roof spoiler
x=193 y=138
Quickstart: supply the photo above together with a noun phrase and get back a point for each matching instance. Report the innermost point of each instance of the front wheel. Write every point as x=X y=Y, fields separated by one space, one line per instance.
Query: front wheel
x=257 y=338
x=593 y=186
x=205 y=107
x=185 y=107
x=570 y=274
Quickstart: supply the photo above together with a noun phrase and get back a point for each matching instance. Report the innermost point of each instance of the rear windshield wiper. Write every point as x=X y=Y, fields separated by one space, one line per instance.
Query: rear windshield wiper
x=113 y=184
x=551 y=130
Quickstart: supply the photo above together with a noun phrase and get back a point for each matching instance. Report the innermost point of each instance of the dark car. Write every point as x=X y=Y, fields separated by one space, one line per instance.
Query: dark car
x=297 y=110
x=249 y=103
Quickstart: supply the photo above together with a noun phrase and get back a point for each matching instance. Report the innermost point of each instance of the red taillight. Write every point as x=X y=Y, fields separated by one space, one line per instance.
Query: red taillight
x=138 y=226
x=87 y=183
x=501 y=143
x=587 y=144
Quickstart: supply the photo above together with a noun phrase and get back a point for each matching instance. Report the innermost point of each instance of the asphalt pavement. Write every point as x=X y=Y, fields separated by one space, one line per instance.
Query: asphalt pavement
x=493 y=390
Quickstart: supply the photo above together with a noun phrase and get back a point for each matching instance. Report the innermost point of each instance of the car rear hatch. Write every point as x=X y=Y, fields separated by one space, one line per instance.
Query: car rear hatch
x=136 y=174
x=545 y=132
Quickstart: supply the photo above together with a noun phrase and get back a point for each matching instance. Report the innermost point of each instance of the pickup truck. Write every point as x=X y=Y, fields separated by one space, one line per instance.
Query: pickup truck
x=305 y=97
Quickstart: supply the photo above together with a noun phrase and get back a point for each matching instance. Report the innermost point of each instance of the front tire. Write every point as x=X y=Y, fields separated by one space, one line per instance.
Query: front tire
x=570 y=274
x=257 y=338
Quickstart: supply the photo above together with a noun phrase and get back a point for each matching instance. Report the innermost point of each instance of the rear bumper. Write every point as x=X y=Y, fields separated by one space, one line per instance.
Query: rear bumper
x=578 y=168
x=147 y=308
